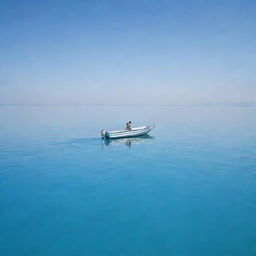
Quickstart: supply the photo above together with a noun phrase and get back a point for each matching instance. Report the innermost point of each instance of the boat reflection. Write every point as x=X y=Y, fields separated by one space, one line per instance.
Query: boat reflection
x=127 y=141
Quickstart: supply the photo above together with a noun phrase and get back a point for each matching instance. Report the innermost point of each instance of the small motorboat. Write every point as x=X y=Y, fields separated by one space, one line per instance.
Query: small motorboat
x=133 y=132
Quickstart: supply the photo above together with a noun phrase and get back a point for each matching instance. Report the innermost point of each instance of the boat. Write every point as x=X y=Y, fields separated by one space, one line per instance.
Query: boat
x=133 y=132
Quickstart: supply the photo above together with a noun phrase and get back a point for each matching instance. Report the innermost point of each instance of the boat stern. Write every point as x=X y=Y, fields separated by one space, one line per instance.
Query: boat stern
x=104 y=134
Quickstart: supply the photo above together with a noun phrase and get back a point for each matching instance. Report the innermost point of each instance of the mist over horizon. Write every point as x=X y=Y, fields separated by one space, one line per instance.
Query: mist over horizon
x=127 y=52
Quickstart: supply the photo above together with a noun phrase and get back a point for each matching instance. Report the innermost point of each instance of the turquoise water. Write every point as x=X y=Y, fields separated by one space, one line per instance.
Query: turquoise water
x=187 y=189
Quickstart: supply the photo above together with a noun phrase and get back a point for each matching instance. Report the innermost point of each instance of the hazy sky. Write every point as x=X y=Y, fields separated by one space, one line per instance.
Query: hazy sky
x=127 y=52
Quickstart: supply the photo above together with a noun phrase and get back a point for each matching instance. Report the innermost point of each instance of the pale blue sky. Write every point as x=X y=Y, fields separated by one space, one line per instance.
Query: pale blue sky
x=127 y=52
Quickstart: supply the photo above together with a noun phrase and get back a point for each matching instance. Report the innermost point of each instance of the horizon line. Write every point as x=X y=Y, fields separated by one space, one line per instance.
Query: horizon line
x=138 y=105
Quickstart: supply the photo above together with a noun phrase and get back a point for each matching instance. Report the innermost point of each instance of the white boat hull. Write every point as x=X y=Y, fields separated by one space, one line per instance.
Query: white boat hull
x=134 y=132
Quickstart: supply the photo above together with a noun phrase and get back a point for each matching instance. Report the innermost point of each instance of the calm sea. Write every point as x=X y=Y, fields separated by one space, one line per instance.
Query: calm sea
x=187 y=189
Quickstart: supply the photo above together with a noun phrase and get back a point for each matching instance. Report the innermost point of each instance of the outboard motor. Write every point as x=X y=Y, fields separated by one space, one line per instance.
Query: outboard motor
x=103 y=134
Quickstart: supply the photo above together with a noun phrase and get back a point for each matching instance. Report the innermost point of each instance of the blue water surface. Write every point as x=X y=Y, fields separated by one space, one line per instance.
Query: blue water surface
x=187 y=189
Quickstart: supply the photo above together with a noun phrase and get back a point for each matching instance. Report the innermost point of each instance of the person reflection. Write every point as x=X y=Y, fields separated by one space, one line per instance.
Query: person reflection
x=128 y=143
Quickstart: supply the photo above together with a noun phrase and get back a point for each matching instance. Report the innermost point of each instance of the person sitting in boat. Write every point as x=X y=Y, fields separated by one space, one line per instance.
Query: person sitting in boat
x=129 y=125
